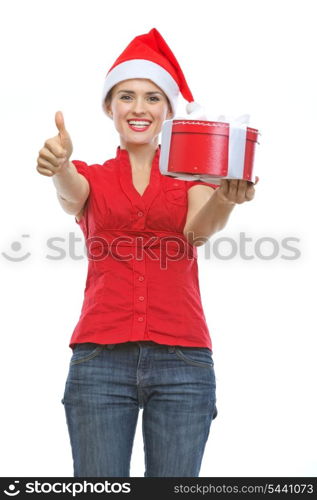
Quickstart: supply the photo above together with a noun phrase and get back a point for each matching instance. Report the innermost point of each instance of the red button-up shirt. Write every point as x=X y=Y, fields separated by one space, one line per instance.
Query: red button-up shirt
x=142 y=281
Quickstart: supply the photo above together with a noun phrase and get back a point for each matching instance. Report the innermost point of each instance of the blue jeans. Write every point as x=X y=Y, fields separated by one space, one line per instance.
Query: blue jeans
x=106 y=386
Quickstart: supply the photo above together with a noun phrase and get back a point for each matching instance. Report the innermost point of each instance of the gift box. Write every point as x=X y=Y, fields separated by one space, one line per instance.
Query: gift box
x=206 y=150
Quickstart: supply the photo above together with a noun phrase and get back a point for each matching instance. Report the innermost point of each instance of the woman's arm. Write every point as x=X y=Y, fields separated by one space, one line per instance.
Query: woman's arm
x=207 y=219
x=209 y=209
x=53 y=161
x=72 y=189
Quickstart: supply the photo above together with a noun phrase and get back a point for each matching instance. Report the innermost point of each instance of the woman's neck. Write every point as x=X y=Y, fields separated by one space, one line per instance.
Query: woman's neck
x=141 y=155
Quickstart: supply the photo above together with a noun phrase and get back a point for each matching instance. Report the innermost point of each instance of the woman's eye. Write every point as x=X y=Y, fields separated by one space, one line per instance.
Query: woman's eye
x=128 y=97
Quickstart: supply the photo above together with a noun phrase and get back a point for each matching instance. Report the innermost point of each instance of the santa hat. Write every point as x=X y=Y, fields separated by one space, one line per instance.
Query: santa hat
x=149 y=56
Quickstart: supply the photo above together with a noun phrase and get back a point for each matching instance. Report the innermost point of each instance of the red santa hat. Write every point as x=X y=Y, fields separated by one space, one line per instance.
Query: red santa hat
x=149 y=56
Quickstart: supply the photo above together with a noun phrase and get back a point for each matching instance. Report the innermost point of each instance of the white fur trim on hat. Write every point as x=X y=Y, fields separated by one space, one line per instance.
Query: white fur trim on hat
x=142 y=68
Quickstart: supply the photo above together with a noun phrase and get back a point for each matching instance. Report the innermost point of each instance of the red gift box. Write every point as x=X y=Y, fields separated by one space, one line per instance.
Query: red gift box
x=208 y=150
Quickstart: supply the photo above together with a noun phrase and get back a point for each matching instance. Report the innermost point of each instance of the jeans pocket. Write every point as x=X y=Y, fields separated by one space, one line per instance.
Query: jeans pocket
x=85 y=351
x=197 y=356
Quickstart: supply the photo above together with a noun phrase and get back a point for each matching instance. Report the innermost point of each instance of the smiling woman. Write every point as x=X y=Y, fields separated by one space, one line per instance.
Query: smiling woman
x=138 y=105
x=142 y=316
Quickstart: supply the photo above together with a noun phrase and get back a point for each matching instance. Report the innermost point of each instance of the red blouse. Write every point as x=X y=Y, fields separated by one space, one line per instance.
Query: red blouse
x=142 y=280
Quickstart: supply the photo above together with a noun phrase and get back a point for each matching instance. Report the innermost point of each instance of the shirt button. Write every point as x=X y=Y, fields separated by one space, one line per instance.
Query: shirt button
x=141 y=278
x=140 y=318
x=141 y=297
x=140 y=214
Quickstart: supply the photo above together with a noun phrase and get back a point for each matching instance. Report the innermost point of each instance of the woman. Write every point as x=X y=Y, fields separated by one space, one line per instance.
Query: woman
x=141 y=340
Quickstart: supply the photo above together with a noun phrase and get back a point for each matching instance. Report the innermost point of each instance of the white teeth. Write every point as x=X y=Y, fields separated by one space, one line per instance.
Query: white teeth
x=138 y=123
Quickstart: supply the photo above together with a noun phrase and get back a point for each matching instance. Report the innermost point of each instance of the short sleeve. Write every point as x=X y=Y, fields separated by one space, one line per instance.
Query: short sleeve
x=189 y=184
x=82 y=168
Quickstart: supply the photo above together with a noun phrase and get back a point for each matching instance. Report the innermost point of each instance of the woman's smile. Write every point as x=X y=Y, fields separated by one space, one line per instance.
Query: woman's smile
x=139 y=125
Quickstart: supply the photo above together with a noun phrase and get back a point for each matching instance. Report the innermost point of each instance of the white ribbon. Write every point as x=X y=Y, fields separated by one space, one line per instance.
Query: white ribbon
x=236 y=152
x=237 y=143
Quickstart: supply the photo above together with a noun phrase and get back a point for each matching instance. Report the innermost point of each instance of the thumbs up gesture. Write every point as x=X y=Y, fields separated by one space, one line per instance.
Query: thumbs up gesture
x=53 y=157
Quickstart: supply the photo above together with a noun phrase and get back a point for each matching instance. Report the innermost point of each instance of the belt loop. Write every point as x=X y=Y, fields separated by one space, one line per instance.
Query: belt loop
x=171 y=348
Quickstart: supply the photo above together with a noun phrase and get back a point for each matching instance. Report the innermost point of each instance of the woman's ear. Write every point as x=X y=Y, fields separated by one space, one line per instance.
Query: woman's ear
x=107 y=108
x=169 y=115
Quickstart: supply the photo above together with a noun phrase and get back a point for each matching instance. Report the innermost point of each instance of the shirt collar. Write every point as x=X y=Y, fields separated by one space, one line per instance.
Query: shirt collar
x=123 y=154
x=141 y=202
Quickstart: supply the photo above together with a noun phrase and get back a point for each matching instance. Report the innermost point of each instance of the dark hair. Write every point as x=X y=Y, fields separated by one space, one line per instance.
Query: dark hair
x=109 y=95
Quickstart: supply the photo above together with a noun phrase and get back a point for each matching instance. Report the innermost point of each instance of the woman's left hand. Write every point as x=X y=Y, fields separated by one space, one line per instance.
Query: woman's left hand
x=236 y=190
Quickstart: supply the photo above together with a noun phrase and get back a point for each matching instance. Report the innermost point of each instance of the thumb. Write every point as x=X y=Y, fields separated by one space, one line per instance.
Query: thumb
x=60 y=124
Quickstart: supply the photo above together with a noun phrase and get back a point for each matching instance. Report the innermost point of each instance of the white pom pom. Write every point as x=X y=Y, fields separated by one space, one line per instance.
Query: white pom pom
x=195 y=111
x=192 y=106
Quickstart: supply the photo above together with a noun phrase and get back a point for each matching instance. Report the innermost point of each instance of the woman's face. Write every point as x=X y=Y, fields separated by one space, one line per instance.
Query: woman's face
x=138 y=99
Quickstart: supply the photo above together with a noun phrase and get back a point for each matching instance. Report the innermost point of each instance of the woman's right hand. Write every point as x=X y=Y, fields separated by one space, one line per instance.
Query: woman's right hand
x=53 y=157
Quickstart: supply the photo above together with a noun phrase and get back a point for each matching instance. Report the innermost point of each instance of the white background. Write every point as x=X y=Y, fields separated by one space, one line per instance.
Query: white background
x=238 y=57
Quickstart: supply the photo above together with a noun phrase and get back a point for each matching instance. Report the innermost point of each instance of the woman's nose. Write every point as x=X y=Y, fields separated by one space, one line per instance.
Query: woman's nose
x=139 y=106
